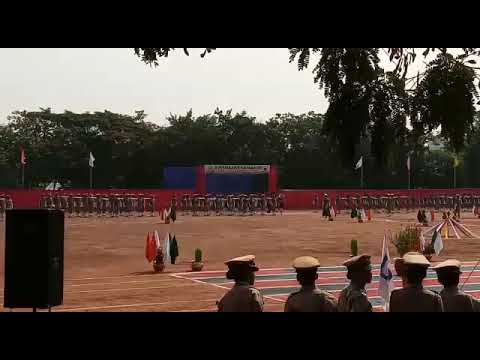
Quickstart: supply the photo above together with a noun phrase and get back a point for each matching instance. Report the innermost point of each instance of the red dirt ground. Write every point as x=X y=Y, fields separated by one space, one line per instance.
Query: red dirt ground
x=106 y=270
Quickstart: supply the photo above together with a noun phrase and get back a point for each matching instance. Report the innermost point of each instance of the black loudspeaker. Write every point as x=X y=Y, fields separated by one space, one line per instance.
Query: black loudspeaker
x=33 y=258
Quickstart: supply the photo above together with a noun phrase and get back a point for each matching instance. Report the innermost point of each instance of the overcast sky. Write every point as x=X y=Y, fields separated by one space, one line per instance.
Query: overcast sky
x=260 y=81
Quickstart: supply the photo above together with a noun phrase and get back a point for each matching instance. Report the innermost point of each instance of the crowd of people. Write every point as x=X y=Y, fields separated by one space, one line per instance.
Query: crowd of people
x=411 y=297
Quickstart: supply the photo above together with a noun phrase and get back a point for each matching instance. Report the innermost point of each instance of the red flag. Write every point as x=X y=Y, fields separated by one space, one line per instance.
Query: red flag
x=23 y=159
x=150 y=248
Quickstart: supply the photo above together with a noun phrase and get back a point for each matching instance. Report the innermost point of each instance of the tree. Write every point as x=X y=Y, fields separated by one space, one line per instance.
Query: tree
x=352 y=80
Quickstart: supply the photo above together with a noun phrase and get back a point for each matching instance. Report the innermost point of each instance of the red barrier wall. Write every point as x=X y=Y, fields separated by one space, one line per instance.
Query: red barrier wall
x=294 y=199
x=302 y=199
x=30 y=199
x=273 y=179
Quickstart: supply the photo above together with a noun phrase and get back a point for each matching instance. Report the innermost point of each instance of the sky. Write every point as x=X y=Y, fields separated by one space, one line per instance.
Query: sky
x=260 y=81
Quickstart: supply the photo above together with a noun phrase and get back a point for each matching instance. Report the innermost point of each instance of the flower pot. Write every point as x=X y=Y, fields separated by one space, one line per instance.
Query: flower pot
x=158 y=267
x=197 y=266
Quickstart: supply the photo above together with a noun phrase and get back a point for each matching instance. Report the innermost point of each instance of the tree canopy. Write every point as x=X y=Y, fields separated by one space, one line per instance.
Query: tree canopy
x=368 y=102
x=131 y=152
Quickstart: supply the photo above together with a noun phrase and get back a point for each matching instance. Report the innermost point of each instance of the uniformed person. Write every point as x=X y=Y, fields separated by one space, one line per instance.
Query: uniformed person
x=243 y=297
x=309 y=298
x=454 y=300
x=413 y=297
x=354 y=297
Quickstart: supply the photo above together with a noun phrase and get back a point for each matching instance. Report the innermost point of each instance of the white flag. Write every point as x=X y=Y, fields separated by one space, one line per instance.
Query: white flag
x=157 y=240
x=385 y=283
x=359 y=163
x=91 y=160
x=437 y=242
x=408 y=163
x=422 y=242
x=166 y=249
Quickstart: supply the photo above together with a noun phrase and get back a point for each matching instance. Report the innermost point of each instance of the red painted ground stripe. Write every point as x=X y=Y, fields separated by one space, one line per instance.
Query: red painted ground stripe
x=259 y=284
x=283 y=271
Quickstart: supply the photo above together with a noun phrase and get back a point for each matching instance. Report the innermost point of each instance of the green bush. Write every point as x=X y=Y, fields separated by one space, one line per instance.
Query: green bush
x=198 y=255
x=407 y=240
x=354 y=247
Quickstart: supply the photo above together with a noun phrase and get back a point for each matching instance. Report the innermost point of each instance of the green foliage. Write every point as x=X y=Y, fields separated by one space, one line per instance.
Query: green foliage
x=445 y=98
x=354 y=247
x=131 y=152
x=198 y=255
x=407 y=240
x=366 y=103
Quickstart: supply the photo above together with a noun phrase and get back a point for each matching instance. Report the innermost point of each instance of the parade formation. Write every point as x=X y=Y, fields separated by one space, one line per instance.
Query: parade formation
x=88 y=205
x=232 y=204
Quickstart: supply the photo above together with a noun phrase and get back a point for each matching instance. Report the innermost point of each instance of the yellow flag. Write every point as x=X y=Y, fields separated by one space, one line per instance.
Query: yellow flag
x=455 y=162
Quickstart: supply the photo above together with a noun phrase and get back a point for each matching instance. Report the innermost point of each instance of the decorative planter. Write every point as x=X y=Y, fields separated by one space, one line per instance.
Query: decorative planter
x=158 y=267
x=197 y=266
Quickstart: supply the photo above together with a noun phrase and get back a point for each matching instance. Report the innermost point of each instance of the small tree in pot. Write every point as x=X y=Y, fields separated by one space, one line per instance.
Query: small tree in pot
x=354 y=247
x=197 y=264
x=407 y=240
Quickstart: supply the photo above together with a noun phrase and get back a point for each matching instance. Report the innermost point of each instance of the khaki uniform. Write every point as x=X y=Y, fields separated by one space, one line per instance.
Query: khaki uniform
x=354 y=299
x=241 y=298
x=455 y=300
x=311 y=299
x=415 y=299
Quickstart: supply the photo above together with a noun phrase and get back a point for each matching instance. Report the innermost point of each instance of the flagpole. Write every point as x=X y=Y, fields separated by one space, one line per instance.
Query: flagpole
x=91 y=177
x=408 y=179
x=23 y=176
x=361 y=176
x=454 y=177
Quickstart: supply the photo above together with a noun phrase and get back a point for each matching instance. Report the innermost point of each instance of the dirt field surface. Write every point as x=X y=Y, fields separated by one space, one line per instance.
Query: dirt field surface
x=106 y=269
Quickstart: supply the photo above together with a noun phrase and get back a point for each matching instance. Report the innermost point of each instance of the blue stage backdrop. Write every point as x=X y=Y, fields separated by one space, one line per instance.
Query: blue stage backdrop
x=180 y=177
x=237 y=183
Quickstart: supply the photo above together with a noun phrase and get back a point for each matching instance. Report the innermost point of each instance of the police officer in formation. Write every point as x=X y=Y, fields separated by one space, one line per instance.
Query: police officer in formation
x=354 y=297
x=453 y=299
x=412 y=297
x=243 y=297
x=309 y=298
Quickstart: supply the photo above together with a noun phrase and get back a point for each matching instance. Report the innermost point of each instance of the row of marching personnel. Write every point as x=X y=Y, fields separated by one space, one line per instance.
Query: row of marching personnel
x=412 y=297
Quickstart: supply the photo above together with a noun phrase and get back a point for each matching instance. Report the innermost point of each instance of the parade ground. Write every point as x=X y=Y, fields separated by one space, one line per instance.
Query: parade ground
x=106 y=269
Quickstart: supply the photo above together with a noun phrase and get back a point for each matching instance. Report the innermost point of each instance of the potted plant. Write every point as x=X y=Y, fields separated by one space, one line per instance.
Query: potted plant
x=197 y=264
x=407 y=240
x=354 y=247
x=158 y=264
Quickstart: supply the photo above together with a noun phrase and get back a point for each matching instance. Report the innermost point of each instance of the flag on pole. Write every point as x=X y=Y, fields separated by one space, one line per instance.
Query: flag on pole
x=437 y=241
x=408 y=163
x=91 y=160
x=157 y=240
x=173 y=249
x=23 y=158
x=359 y=163
x=385 y=283
x=150 y=248
x=166 y=249
x=455 y=162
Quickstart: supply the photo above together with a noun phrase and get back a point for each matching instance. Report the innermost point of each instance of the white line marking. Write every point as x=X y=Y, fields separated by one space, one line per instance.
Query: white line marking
x=131 y=305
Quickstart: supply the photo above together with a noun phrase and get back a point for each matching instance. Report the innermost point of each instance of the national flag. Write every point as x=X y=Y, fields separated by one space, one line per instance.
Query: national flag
x=359 y=163
x=150 y=248
x=332 y=211
x=385 y=283
x=23 y=158
x=173 y=249
x=455 y=162
x=91 y=160
x=166 y=249
x=408 y=163
x=437 y=242
x=157 y=240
